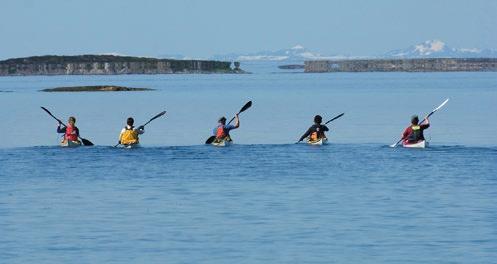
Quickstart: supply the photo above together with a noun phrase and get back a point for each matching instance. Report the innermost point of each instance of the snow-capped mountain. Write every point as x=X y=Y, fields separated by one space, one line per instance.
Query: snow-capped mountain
x=438 y=49
x=295 y=54
x=299 y=54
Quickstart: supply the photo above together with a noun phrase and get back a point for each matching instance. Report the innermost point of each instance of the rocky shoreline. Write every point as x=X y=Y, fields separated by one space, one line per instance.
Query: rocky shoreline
x=403 y=65
x=110 y=65
x=97 y=88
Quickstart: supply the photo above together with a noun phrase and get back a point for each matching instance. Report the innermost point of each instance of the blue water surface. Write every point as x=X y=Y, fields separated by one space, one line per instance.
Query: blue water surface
x=264 y=199
x=377 y=107
x=344 y=203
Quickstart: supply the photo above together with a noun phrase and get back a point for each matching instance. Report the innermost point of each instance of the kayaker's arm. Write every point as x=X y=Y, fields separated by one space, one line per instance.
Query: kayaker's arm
x=237 y=121
x=406 y=133
x=425 y=124
x=140 y=130
x=61 y=130
x=325 y=128
x=121 y=136
x=306 y=134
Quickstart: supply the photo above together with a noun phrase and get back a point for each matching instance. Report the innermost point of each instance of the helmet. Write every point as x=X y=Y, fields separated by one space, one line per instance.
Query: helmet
x=318 y=119
x=414 y=119
x=130 y=121
x=222 y=120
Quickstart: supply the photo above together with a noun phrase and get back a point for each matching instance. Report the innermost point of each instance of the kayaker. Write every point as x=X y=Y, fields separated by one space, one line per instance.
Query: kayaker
x=129 y=135
x=316 y=131
x=70 y=131
x=222 y=131
x=414 y=132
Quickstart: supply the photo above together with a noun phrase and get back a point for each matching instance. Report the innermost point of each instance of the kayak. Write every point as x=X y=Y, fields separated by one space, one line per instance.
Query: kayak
x=419 y=144
x=70 y=144
x=321 y=141
x=222 y=143
x=130 y=146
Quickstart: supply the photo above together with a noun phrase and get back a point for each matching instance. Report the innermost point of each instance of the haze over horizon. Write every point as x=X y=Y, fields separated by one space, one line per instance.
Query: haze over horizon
x=203 y=29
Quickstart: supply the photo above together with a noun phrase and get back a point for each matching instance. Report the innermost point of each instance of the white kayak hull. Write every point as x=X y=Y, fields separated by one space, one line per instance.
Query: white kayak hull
x=70 y=144
x=420 y=144
x=222 y=143
x=319 y=142
x=131 y=146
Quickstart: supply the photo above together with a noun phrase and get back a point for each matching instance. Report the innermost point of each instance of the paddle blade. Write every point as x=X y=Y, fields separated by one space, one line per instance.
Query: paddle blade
x=210 y=140
x=46 y=110
x=334 y=118
x=49 y=113
x=158 y=115
x=440 y=106
x=436 y=109
x=155 y=117
x=246 y=106
x=86 y=142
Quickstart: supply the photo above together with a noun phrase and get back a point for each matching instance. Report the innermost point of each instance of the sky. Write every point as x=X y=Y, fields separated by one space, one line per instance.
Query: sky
x=202 y=28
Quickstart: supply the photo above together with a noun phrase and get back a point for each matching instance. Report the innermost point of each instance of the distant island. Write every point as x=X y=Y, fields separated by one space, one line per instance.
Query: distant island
x=109 y=65
x=403 y=65
x=100 y=88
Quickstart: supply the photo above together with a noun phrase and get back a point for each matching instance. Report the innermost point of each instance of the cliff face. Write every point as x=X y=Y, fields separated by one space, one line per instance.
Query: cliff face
x=403 y=65
x=107 y=65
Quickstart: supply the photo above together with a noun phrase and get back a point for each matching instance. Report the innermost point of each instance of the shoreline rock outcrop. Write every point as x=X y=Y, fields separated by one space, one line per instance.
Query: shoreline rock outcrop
x=403 y=65
x=109 y=65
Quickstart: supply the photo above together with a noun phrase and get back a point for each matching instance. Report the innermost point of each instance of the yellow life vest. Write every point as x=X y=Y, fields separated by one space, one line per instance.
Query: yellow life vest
x=129 y=136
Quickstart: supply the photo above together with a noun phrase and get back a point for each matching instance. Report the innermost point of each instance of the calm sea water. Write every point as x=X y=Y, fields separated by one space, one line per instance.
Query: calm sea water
x=263 y=200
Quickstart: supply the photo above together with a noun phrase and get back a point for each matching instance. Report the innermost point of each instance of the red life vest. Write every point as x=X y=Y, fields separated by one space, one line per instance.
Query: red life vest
x=69 y=133
x=220 y=132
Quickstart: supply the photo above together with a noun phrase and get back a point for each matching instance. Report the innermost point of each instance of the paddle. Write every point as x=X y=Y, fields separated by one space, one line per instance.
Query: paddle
x=151 y=119
x=432 y=112
x=245 y=107
x=334 y=118
x=85 y=141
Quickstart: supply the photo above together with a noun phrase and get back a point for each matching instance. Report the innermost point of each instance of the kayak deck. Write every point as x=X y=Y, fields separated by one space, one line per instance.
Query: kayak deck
x=130 y=146
x=321 y=141
x=222 y=143
x=70 y=144
x=419 y=144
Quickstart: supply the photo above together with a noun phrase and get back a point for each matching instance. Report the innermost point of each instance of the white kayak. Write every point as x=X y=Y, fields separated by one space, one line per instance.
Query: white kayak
x=419 y=144
x=222 y=143
x=70 y=144
x=130 y=146
x=321 y=141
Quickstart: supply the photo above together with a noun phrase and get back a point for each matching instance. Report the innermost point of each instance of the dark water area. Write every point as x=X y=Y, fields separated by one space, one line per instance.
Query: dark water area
x=344 y=203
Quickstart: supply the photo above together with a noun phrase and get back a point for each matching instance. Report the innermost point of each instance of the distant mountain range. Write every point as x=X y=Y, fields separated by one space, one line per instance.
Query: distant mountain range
x=295 y=54
x=438 y=49
x=427 y=49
